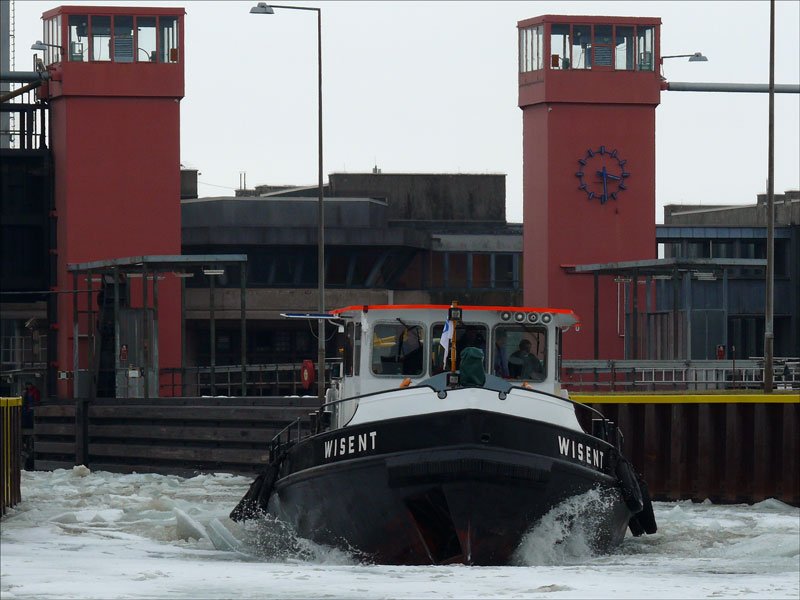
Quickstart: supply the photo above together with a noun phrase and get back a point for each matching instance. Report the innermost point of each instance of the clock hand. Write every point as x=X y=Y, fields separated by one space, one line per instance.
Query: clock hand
x=604 y=175
x=614 y=177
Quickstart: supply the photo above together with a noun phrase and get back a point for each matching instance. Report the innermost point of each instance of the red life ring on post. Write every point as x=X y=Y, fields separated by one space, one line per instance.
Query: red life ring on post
x=307 y=374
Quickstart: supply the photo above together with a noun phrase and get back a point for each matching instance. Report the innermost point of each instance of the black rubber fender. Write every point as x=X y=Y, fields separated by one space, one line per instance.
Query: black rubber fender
x=635 y=527
x=629 y=486
x=646 y=518
x=255 y=501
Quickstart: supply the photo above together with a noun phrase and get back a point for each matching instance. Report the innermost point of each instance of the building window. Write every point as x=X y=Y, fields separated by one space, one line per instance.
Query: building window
x=481 y=271
x=456 y=270
x=504 y=272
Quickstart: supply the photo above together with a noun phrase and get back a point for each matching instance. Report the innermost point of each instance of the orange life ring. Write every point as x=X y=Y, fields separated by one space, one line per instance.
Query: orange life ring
x=307 y=374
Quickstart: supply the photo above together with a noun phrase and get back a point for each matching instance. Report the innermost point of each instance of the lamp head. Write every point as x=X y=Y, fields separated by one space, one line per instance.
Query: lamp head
x=262 y=8
x=698 y=57
x=39 y=45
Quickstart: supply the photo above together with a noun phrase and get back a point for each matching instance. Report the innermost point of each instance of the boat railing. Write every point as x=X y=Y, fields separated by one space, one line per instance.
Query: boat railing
x=320 y=419
x=284 y=439
x=602 y=427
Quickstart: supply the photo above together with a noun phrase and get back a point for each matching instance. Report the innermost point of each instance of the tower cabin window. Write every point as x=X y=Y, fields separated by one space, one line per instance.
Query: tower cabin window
x=168 y=39
x=78 y=50
x=560 y=47
x=581 y=47
x=121 y=38
x=606 y=47
x=100 y=38
x=146 y=39
x=644 y=46
x=531 y=49
x=52 y=40
x=624 y=49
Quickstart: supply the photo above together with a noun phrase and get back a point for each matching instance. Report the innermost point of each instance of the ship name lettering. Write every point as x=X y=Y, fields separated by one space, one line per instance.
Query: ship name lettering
x=581 y=452
x=350 y=444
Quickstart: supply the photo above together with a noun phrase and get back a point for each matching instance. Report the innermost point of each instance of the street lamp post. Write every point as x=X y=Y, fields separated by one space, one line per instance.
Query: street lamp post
x=769 y=335
x=262 y=8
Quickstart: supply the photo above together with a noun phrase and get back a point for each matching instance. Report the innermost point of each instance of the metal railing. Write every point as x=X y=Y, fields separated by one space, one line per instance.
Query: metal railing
x=275 y=379
x=677 y=375
x=27 y=124
x=22 y=351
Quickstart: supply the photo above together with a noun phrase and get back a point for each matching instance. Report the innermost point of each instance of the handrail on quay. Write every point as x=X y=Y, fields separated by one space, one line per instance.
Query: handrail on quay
x=11 y=459
x=676 y=375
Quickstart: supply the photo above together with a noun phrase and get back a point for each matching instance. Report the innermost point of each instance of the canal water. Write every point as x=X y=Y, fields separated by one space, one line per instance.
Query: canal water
x=84 y=534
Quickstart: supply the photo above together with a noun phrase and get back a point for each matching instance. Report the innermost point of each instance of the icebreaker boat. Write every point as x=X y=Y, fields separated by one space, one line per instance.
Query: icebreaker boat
x=445 y=438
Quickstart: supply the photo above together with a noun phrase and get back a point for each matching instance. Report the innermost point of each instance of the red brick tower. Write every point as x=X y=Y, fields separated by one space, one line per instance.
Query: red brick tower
x=117 y=78
x=588 y=90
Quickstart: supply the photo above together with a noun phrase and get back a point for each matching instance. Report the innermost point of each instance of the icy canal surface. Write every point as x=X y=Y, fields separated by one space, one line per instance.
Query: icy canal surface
x=82 y=534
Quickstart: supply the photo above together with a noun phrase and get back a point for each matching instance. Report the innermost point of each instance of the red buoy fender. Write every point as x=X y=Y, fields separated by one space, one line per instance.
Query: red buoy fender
x=307 y=374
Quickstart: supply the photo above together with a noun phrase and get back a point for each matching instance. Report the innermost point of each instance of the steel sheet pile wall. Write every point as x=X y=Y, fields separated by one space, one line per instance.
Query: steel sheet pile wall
x=11 y=460
x=728 y=448
x=180 y=435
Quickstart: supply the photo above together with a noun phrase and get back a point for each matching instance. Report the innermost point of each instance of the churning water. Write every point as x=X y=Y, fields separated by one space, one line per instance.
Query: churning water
x=88 y=534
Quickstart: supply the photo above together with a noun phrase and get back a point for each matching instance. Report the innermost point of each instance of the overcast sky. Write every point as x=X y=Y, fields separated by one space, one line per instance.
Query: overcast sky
x=432 y=87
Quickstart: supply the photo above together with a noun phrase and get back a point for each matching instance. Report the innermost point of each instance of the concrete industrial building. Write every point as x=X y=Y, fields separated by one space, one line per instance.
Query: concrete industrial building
x=390 y=239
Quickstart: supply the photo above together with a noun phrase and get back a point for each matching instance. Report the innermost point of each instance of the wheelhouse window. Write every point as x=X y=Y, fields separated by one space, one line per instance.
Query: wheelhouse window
x=78 y=42
x=398 y=349
x=352 y=349
x=472 y=335
x=519 y=351
x=531 y=49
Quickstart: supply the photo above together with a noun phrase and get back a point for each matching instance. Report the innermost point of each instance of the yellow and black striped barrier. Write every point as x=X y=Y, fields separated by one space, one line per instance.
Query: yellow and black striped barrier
x=11 y=463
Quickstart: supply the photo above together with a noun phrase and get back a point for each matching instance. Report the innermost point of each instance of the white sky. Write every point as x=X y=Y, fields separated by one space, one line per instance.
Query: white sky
x=432 y=87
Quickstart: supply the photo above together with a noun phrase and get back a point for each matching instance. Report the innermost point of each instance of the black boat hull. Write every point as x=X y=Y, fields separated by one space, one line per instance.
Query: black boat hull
x=464 y=486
